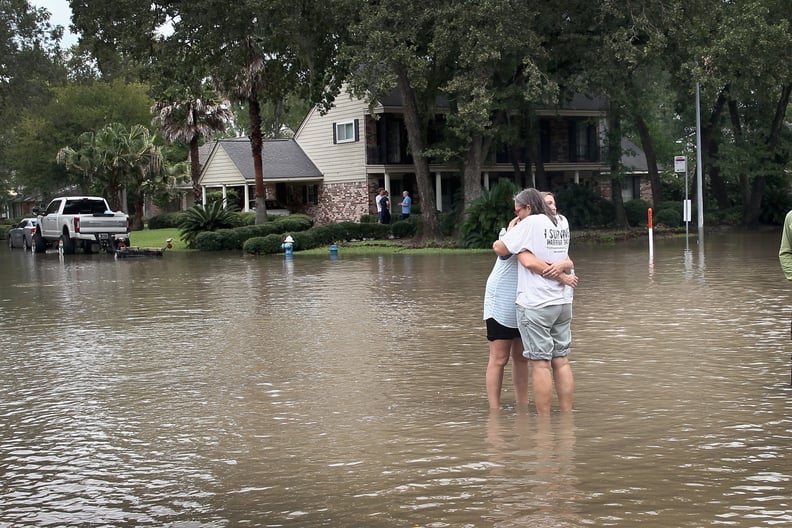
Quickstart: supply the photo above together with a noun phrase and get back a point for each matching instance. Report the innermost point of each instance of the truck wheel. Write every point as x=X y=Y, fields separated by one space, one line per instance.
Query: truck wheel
x=39 y=244
x=67 y=244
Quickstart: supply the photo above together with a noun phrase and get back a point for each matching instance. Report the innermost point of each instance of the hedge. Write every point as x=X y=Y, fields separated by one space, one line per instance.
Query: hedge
x=235 y=238
x=317 y=237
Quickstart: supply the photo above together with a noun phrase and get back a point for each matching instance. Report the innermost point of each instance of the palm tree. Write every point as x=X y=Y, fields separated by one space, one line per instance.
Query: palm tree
x=189 y=120
x=116 y=159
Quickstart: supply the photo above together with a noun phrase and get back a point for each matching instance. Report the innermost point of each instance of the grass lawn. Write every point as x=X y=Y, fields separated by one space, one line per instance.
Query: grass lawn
x=156 y=238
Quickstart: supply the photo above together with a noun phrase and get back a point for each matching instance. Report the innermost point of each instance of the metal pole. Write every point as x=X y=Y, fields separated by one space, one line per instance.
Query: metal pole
x=699 y=185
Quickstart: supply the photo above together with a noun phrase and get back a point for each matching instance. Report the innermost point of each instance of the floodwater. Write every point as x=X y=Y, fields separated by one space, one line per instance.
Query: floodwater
x=214 y=390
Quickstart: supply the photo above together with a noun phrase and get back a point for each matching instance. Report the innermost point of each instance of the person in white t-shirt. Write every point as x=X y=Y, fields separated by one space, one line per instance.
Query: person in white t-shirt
x=377 y=199
x=544 y=307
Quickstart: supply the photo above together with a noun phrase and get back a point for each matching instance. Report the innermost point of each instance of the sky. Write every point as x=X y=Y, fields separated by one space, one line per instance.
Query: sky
x=60 y=14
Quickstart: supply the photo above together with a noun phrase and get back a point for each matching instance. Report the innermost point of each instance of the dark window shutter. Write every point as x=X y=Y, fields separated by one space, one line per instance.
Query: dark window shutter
x=335 y=140
x=357 y=130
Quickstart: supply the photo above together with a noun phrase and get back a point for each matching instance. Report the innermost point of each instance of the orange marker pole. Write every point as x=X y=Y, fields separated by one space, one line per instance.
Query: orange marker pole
x=651 y=239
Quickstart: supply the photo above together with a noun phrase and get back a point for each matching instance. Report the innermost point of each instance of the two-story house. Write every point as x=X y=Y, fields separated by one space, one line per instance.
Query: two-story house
x=334 y=164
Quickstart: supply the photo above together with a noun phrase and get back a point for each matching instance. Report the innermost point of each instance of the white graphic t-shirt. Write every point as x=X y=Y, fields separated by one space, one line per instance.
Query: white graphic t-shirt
x=548 y=242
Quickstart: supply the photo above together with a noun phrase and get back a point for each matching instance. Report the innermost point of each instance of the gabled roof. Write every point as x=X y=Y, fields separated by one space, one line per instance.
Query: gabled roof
x=633 y=158
x=283 y=159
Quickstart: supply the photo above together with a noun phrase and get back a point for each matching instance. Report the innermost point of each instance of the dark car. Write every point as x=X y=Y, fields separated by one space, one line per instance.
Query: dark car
x=21 y=235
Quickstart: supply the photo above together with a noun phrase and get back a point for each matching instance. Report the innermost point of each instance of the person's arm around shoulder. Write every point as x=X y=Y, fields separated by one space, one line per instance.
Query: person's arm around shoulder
x=499 y=246
x=785 y=252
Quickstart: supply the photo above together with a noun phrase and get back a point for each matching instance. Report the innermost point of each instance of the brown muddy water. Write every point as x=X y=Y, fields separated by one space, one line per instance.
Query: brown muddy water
x=212 y=390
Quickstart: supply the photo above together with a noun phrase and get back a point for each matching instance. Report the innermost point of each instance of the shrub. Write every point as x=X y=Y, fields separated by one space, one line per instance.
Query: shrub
x=316 y=237
x=403 y=228
x=487 y=214
x=246 y=218
x=668 y=218
x=266 y=245
x=166 y=220
x=211 y=240
x=636 y=211
x=368 y=219
x=295 y=222
x=583 y=207
x=210 y=218
x=376 y=231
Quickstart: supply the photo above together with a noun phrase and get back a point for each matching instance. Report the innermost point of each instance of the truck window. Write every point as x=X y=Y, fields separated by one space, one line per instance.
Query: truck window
x=53 y=207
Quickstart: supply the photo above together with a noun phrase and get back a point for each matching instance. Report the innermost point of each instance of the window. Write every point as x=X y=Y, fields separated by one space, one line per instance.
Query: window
x=345 y=131
x=311 y=194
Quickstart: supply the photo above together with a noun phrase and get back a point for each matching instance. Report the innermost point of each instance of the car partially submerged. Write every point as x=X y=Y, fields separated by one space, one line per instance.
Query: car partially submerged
x=21 y=235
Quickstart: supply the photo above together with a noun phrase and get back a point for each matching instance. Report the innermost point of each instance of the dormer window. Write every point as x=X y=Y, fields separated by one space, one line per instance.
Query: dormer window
x=346 y=131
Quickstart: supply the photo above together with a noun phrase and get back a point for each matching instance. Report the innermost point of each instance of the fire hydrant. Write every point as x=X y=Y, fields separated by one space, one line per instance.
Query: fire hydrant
x=288 y=246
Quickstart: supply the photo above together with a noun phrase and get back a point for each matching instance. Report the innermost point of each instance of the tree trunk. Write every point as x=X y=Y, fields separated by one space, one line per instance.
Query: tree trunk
x=753 y=207
x=651 y=159
x=709 y=143
x=256 y=143
x=614 y=159
x=415 y=136
x=535 y=155
x=195 y=170
x=137 y=218
x=478 y=149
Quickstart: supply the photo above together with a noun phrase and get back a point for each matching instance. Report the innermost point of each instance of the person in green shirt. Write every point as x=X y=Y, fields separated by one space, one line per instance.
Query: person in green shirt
x=785 y=253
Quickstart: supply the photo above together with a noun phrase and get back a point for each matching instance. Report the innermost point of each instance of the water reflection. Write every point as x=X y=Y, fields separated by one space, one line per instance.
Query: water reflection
x=312 y=391
x=533 y=477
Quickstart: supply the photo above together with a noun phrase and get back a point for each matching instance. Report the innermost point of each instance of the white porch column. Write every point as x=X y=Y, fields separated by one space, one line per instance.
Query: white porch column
x=225 y=197
x=577 y=177
x=387 y=183
x=247 y=198
x=486 y=181
x=439 y=191
x=203 y=194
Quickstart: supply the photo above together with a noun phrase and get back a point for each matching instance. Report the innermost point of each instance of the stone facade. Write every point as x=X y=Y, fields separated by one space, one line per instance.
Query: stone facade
x=341 y=202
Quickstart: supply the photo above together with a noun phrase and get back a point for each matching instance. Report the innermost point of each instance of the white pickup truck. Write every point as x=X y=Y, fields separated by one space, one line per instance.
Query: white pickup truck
x=85 y=222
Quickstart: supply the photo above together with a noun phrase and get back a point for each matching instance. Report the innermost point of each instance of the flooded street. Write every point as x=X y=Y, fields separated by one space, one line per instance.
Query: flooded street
x=214 y=390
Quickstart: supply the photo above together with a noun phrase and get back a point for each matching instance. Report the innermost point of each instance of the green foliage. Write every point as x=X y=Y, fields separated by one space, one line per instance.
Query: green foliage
x=235 y=238
x=246 y=217
x=368 y=219
x=210 y=218
x=266 y=245
x=166 y=220
x=404 y=228
x=777 y=201
x=212 y=240
x=232 y=199
x=668 y=218
x=637 y=212
x=584 y=208
x=72 y=110
x=493 y=210
x=317 y=237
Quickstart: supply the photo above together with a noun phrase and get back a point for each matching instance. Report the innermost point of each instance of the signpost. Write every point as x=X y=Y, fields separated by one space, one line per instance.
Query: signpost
x=680 y=165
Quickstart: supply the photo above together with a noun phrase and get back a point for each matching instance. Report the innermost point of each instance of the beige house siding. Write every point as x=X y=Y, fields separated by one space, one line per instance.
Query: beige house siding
x=220 y=170
x=340 y=162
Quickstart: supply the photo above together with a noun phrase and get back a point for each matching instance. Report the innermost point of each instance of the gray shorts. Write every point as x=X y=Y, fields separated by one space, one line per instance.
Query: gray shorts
x=546 y=332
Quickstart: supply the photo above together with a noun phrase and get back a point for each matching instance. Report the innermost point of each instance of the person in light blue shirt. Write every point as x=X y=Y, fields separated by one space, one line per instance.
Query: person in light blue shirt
x=406 y=205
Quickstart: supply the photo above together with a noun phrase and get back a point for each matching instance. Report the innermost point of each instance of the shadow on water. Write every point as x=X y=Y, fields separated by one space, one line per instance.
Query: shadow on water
x=214 y=390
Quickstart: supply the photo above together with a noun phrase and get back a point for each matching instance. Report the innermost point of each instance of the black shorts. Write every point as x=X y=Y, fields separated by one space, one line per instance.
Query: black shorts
x=496 y=331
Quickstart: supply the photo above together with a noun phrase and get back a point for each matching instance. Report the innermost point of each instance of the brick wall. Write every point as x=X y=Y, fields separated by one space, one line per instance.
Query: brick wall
x=341 y=202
